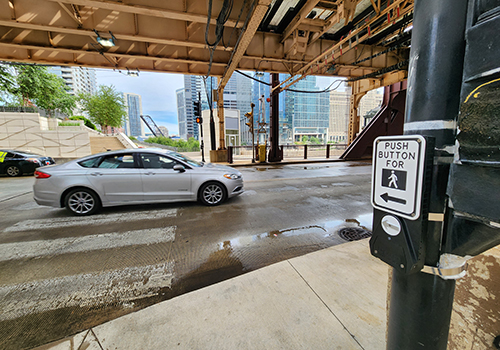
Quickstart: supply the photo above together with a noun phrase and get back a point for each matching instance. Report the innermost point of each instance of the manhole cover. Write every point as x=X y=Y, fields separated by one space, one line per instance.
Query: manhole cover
x=354 y=233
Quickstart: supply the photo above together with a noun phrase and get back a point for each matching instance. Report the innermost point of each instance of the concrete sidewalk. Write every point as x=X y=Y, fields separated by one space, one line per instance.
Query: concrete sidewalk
x=331 y=299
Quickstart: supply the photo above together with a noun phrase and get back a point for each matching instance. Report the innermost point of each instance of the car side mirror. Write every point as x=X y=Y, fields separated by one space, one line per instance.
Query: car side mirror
x=179 y=168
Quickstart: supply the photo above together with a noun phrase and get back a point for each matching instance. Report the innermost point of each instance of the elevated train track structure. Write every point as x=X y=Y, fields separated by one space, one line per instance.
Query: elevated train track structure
x=366 y=41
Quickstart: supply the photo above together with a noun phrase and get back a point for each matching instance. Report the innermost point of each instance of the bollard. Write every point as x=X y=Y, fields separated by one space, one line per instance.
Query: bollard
x=262 y=153
x=230 y=154
x=305 y=151
x=327 y=151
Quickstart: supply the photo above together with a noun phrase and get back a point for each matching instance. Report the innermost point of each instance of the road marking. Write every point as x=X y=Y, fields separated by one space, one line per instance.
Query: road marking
x=102 y=219
x=117 y=286
x=21 y=250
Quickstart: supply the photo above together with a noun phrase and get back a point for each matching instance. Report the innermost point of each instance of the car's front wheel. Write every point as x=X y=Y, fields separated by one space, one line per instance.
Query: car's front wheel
x=212 y=193
x=13 y=170
x=82 y=201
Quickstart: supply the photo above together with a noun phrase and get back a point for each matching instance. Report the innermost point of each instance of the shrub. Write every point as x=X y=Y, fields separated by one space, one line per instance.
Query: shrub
x=87 y=122
x=68 y=124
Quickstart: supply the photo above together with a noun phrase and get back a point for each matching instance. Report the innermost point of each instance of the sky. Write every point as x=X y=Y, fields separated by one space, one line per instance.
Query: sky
x=157 y=91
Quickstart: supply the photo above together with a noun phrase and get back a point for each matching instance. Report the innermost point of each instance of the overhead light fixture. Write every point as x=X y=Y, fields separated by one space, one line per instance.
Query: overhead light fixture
x=106 y=42
x=133 y=74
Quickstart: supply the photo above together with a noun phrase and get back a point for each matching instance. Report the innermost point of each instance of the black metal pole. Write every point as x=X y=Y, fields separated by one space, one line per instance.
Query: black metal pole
x=213 y=146
x=421 y=304
x=274 y=132
x=201 y=132
x=202 y=146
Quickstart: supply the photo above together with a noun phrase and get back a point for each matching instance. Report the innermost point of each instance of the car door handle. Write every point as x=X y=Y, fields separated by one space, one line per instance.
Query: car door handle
x=96 y=174
x=149 y=173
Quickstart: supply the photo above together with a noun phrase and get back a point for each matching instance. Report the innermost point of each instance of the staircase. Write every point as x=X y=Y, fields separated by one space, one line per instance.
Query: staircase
x=388 y=121
x=105 y=143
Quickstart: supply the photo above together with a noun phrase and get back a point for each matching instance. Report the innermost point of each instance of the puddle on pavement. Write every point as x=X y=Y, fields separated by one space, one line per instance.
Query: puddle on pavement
x=265 y=168
x=229 y=259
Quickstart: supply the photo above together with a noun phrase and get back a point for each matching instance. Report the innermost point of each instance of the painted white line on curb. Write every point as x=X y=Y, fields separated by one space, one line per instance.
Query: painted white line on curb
x=31 y=249
x=102 y=219
x=117 y=286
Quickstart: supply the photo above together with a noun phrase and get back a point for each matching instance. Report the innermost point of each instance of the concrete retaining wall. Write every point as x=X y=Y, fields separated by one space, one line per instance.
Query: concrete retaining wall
x=31 y=132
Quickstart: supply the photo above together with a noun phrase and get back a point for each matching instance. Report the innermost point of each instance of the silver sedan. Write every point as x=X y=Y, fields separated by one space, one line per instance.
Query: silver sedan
x=133 y=176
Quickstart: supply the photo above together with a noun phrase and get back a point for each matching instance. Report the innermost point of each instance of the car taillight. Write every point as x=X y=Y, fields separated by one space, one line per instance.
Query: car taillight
x=41 y=175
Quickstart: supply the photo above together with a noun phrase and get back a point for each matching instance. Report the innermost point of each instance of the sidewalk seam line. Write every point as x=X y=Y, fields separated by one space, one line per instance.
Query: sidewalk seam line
x=331 y=311
x=95 y=336
x=83 y=340
x=17 y=195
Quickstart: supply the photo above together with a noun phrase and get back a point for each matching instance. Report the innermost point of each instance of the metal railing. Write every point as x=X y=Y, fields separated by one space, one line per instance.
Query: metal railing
x=41 y=111
x=290 y=152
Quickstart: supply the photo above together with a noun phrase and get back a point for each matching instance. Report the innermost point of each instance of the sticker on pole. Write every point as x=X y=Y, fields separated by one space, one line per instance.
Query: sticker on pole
x=397 y=175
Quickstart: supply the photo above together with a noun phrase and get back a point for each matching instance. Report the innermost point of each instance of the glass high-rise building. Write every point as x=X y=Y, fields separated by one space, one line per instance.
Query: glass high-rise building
x=237 y=95
x=134 y=126
x=307 y=112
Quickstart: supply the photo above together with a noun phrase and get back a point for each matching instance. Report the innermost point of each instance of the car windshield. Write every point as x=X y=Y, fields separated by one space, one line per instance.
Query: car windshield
x=185 y=159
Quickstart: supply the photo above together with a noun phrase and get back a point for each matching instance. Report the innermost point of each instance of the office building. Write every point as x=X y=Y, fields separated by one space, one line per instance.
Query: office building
x=134 y=126
x=77 y=79
x=339 y=112
x=339 y=115
x=307 y=113
x=237 y=96
x=163 y=130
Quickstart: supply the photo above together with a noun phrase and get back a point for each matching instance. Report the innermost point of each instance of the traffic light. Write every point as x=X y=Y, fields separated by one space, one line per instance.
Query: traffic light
x=197 y=109
x=199 y=120
x=249 y=115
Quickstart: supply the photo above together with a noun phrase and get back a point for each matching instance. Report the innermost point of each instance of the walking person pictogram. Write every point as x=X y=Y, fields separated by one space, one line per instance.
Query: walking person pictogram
x=394 y=180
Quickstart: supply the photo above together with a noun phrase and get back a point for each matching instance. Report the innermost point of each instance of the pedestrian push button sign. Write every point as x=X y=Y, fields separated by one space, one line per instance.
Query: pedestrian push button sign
x=398 y=167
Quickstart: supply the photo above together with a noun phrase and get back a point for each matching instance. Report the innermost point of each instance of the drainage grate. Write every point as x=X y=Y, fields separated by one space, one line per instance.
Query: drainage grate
x=354 y=233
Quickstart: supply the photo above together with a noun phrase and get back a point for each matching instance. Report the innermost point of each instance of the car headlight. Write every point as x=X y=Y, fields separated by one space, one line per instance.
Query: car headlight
x=232 y=176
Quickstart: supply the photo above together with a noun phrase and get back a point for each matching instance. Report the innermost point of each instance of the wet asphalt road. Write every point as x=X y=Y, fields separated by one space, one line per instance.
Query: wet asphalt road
x=60 y=274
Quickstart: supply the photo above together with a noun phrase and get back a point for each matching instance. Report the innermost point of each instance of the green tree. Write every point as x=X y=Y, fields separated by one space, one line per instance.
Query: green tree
x=6 y=79
x=191 y=145
x=304 y=139
x=315 y=141
x=106 y=107
x=35 y=85
x=29 y=85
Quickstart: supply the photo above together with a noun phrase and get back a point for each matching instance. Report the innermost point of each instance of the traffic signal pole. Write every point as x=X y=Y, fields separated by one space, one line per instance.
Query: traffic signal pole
x=421 y=303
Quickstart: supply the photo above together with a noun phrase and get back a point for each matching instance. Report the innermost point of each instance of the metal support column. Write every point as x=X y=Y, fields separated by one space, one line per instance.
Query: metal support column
x=353 y=111
x=274 y=153
x=421 y=304
x=220 y=115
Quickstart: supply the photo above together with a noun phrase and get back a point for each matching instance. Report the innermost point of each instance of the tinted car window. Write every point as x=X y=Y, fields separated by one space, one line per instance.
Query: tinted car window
x=90 y=163
x=118 y=161
x=156 y=161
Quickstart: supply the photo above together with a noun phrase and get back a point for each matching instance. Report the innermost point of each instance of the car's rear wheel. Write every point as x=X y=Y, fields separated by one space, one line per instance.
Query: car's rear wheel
x=13 y=170
x=82 y=201
x=212 y=193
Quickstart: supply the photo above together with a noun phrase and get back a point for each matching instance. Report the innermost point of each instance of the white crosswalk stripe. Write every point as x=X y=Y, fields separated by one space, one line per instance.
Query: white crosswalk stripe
x=31 y=249
x=117 y=286
x=102 y=219
x=89 y=288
